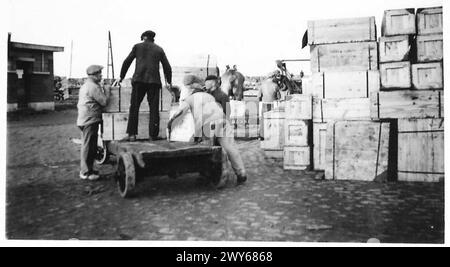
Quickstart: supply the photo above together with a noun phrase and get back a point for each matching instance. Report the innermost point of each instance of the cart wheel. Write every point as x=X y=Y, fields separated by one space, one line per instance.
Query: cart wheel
x=126 y=175
x=102 y=155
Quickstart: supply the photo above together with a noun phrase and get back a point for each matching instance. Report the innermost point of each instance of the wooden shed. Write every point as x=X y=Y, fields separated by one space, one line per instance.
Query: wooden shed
x=30 y=76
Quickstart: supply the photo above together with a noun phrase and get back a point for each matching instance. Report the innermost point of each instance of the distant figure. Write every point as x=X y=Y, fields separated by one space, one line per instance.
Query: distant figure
x=91 y=100
x=269 y=91
x=146 y=81
x=233 y=84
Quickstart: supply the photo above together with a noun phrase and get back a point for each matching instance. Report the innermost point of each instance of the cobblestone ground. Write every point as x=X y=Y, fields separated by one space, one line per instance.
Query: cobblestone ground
x=46 y=200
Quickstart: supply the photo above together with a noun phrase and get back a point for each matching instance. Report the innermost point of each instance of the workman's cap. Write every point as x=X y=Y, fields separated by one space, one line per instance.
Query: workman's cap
x=191 y=79
x=211 y=77
x=149 y=34
x=94 y=69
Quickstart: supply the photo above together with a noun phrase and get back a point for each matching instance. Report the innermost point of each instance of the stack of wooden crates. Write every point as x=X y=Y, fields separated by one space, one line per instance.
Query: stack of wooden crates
x=411 y=93
x=347 y=144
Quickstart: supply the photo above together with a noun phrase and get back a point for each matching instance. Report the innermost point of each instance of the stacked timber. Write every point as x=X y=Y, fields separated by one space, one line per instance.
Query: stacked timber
x=344 y=65
x=298 y=133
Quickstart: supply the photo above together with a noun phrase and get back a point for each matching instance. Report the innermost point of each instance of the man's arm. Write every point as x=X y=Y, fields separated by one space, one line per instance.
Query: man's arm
x=127 y=62
x=100 y=96
x=166 y=68
x=184 y=107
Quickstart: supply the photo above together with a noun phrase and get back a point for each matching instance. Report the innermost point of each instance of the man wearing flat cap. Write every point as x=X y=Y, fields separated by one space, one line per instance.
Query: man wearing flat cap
x=91 y=100
x=213 y=87
x=146 y=81
x=207 y=112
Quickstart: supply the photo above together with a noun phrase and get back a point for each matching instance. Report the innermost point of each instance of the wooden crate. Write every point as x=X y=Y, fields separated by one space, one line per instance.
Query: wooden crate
x=429 y=20
x=115 y=125
x=407 y=104
x=319 y=145
x=398 y=22
x=344 y=57
x=120 y=100
x=427 y=76
x=296 y=157
x=345 y=84
x=263 y=108
x=394 y=48
x=395 y=75
x=299 y=107
x=296 y=132
x=325 y=110
x=430 y=48
x=357 y=150
x=347 y=30
x=273 y=130
x=421 y=150
x=237 y=109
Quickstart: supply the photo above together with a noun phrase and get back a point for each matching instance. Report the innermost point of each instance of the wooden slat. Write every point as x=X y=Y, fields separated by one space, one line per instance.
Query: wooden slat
x=407 y=104
x=325 y=110
x=429 y=20
x=398 y=22
x=296 y=158
x=427 y=76
x=344 y=57
x=341 y=30
x=394 y=48
x=430 y=48
x=296 y=132
x=421 y=150
x=319 y=136
x=396 y=75
x=357 y=150
x=345 y=84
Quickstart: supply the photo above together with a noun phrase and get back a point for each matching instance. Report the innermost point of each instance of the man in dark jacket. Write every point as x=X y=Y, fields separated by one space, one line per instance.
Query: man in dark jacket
x=213 y=87
x=146 y=80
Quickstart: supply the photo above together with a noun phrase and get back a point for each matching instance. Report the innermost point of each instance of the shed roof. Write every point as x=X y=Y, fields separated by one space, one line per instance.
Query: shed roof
x=37 y=47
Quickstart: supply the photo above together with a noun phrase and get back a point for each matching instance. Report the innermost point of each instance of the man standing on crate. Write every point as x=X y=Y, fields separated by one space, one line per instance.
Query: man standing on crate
x=146 y=81
x=91 y=100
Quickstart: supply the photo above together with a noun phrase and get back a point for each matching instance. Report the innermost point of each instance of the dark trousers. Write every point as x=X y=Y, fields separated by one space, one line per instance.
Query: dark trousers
x=89 y=136
x=137 y=95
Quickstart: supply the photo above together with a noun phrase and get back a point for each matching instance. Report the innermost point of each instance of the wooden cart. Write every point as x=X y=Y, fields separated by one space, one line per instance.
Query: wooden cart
x=136 y=160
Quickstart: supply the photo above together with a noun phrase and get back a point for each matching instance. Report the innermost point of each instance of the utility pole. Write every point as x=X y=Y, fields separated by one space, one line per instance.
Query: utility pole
x=71 y=52
x=110 y=55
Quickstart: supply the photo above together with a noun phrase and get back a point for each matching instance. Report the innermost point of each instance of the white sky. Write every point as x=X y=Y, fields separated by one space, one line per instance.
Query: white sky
x=250 y=34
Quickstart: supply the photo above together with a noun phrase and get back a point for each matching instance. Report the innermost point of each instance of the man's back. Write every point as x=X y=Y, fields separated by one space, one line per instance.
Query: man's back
x=148 y=55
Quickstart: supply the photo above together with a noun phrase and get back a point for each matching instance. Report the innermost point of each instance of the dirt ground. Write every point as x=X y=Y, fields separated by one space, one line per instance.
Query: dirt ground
x=47 y=200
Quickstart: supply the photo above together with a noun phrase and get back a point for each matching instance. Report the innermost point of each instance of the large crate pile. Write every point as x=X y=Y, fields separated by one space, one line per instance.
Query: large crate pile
x=377 y=107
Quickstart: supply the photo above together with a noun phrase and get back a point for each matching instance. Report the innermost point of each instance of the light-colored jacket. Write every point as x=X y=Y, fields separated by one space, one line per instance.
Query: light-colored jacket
x=91 y=100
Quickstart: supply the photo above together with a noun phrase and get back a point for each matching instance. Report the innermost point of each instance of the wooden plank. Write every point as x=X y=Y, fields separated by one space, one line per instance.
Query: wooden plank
x=115 y=125
x=344 y=57
x=296 y=132
x=430 y=48
x=357 y=150
x=429 y=20
x=394 y=48
x=421 y=150
x=427 y=76
x=345 y=84
x=273 y=130
x=346 y=30
x=395 y=75
x=296 y=158
x=299 y=107
x=325 y=110
x=407 y=104
x=398 y=22
x=120 y=100
x=319 y=145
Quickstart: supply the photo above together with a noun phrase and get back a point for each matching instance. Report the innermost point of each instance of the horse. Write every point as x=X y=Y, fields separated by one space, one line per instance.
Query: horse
x=233 y=84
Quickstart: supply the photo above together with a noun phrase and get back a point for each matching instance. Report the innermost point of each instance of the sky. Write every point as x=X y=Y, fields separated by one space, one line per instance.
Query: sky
x=250 y=34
